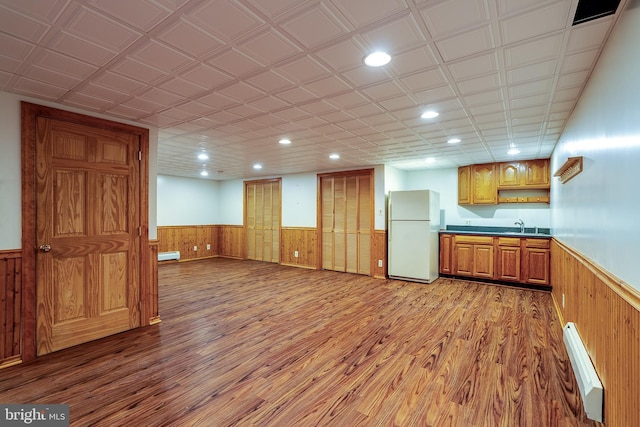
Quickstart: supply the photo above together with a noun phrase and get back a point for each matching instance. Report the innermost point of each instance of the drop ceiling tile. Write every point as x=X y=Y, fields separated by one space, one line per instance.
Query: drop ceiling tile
x=398 y=103
x=453 y=16
x=101 y=30
x=33 y=87
x=100 y=92
x=303 y=70
x=235 y=63
x=205 y=76
x=566 y=94
x=182 y=87
x=297 y=95
x=496 y=107
x=531 y=88
x=434 y=95
x=466 y=44
x=225 y=19
x=9 y=65
x=425 y=80
x=479 y=84
x=315 y=26
x=118 y=83
x=589 y=35
x=412 y=61
x=318 y=107
x=565 y=106
x=133 y=69
x=395 y=36
x=364 y=110
x=188 y=37
x=363 y=12
x=533 y=51
x=87 y=101
x=343 y=55
x=328 y=87
x=537 y=22
x=536 y=71
x=274 y=8
x=21 y=26
x=579 y=61
x=270 y=81
x=196 y=108
x=217 y=101
x=489 y=97
x=269 y=103
x=141 y=14
x=269 y=47
x=386 y=90
x=148 y=105
x=77 y=47
x=51 y=77
x=529 y=101
x=63 y=64
x=241 y=92
x=537 y=111
x=125 y=111
x=161 y=57
x=15 y=48
x=364 y=76
x=573 y=79
x=473 y=67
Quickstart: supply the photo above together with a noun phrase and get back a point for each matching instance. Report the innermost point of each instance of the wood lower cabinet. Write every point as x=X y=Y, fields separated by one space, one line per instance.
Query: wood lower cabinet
x=505 y=259
x=473 y=256
x=509 y=259
x=536 y=265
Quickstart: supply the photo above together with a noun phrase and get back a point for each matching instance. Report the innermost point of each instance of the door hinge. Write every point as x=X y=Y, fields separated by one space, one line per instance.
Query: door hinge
x=139 y=155
x=139 y=231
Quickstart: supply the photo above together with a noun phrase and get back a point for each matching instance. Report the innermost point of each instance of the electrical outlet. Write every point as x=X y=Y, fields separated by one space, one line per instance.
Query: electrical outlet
x=563 y=300
x=208 y=247
x=195 y=249
x=295 y=254
x=380 y=263
x=467 y=222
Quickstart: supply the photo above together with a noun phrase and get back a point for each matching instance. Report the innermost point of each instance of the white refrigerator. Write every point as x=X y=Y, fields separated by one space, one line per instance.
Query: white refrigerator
x=413 y=240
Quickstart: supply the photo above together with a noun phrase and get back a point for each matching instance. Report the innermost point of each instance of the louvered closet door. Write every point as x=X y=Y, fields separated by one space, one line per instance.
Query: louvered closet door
x=262 y=220
x=346 y=223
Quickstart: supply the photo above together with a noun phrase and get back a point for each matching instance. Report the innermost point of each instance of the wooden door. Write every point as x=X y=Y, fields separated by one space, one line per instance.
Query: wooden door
x=262 y=220
x=346 y=222
x=88 y=229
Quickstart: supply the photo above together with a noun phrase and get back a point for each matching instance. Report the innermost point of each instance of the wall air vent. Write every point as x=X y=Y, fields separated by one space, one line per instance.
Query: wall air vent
x=589 y=10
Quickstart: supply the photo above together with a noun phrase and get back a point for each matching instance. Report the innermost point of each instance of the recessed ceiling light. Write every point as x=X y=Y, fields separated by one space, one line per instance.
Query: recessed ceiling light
x=377 y=59
x=430 y=114
x=285 y=141
x=513 y=151
x=257 y=166
x=203 y=156
x=334 y=156
x=453 y=140
x=204 y=173
x=429 y=160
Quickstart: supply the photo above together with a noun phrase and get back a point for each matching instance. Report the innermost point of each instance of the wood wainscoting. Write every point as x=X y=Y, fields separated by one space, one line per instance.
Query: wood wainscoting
x=304 y=240
x=606 y=312
x=10 y=306
x=153 y=313
x=223 y=240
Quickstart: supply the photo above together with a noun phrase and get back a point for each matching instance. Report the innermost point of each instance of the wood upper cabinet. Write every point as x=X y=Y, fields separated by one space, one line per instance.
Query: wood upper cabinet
x=536 y=173
x=464 y=185
x=484 y=184
x=477 y=185
x=524 y=174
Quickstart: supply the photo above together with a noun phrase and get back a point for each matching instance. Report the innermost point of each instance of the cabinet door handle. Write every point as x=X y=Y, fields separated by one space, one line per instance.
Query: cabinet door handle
x=45 y=248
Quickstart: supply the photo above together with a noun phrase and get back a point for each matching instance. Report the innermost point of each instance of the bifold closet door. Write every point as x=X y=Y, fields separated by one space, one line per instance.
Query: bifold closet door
x=262 y=220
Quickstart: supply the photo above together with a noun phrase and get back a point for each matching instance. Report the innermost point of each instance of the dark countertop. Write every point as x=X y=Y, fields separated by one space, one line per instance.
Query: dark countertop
x=543 y=233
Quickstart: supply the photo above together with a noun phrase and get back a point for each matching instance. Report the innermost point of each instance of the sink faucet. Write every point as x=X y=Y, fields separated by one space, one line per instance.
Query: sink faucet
x=521 y=224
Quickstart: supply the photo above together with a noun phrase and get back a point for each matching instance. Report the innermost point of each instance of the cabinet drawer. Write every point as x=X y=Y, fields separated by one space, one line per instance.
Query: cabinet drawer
x=509 y=241
x=538 y=243
x=461 y=238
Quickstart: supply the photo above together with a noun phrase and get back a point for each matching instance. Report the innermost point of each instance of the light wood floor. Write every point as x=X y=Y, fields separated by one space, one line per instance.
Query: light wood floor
x=248 y=343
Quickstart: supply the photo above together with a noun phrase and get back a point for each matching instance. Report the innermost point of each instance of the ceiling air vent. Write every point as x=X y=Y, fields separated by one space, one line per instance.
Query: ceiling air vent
x=589 y=10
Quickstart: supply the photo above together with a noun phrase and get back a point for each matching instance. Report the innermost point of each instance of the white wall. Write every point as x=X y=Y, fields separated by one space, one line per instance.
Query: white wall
x=445 y=182
x=187 y=201
x=10 y=168
x=230 y=207
x=597 y=212
x=299 y=200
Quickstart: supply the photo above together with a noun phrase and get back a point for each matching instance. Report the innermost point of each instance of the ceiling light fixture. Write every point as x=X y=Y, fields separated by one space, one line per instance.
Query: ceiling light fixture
x=430 y=114
x=453 y=140
x=429 y=160
x=285 y=141
x=204 y=173
x=257 y=166
x=377 y=59
x=203 y=156
x=334 y=156
x=513 y=151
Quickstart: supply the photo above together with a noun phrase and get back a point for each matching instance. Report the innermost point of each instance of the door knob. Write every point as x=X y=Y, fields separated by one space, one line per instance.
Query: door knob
x=45 y=248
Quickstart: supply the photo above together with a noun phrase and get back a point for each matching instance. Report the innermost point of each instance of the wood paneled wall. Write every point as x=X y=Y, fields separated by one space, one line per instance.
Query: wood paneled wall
x=10 y=306
x=379 y=252
x=223 y=240
x=301 y=239
x=606 y=312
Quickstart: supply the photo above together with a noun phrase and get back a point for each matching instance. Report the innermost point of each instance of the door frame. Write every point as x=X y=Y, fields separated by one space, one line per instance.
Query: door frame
x=346 y=173
x=29 y=113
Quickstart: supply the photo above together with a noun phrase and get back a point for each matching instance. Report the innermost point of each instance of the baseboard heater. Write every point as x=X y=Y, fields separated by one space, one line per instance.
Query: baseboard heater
x=588 y=382
x=168 y=256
